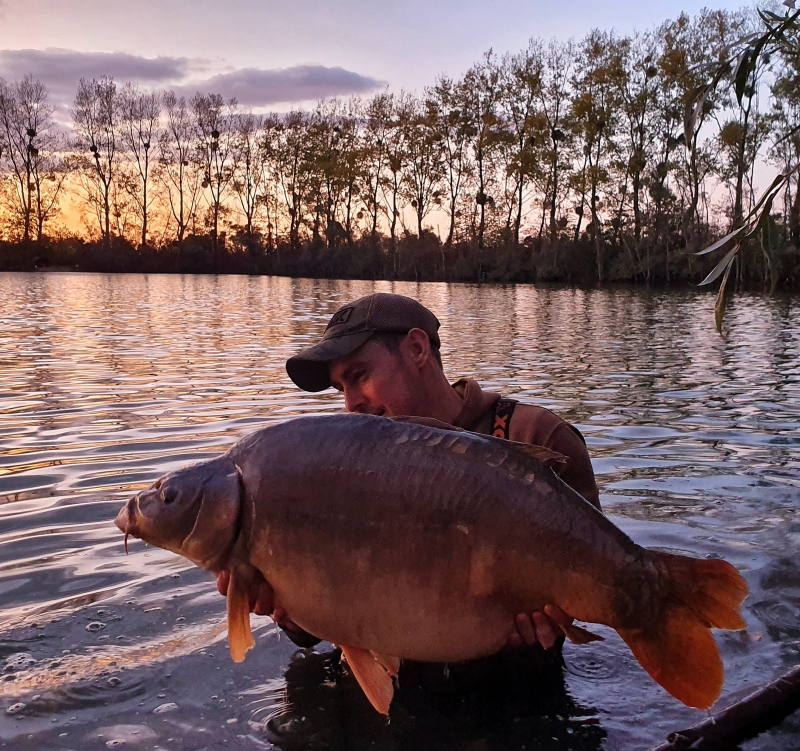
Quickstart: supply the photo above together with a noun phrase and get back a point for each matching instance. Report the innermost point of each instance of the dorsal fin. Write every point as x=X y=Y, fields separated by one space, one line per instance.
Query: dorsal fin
x=430 y=422
x=540 y=453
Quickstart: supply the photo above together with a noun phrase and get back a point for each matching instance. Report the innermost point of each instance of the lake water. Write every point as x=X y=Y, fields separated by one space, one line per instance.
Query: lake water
x=108 y=381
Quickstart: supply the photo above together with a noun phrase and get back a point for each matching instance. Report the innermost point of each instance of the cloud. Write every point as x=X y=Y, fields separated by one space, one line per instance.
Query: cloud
x=254 y=87
x=61 y=69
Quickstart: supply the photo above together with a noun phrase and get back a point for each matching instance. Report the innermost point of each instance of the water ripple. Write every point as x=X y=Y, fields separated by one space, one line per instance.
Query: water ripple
x=108 y=381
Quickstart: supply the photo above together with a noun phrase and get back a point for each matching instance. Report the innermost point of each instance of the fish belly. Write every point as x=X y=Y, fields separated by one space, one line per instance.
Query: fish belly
x=390 y=612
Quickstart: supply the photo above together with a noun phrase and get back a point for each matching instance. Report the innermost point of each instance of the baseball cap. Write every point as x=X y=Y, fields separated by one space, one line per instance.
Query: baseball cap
x=351 y=326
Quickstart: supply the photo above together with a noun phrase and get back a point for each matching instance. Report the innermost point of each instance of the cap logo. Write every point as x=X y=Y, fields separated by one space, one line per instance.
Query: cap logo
x=340 y=316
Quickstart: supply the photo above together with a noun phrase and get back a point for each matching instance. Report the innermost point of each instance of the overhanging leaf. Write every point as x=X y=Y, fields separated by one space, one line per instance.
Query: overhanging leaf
x=721 y=303
x=769 y=193
x=742 y=74
x=694 y=107
x=721 y=266
x=764 y=218
x=719 y=243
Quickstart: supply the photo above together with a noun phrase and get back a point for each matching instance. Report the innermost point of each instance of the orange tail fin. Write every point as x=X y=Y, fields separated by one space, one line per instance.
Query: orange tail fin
x=678 y=651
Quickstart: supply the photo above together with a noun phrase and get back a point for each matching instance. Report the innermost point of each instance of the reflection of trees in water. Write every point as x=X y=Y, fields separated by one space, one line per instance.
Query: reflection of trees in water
x=510 y=707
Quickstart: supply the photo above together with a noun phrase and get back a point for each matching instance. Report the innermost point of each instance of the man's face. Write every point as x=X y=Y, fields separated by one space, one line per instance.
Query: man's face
x=376 y=380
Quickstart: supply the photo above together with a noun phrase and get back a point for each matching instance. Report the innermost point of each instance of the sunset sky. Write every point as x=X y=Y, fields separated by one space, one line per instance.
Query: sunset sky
x=276 y=53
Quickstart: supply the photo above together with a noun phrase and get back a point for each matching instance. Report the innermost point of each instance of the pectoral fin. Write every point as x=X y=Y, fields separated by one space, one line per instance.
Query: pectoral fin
x=578 y=635
x=372 y=676
x=240 y=637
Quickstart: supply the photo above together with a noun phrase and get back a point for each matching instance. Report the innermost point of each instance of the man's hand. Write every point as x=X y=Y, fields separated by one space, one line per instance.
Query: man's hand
x=540 y=628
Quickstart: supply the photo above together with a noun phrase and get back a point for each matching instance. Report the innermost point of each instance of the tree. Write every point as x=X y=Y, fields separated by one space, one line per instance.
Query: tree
x=595 y=110
x=286 y=154
x=330 y=158
x=638 y=92
x=785 y=147
x=690 y=47
x=213 y=119
x=482 y=95
x=423 y=151
x=249 y=168
x=140 y=114
x=526 y=127
x=554 y=104
x=396 y=158
x=95 y=118
x=31 y=145
x=179 y=171
x=446 y=101
x=379 y=114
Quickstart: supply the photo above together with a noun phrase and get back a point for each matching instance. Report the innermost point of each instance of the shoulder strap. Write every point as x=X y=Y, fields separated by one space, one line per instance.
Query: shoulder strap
x=501 y=418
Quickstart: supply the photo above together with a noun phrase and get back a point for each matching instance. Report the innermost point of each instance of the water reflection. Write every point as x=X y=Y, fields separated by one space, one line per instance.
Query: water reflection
x=108 y=381
x=322 y=707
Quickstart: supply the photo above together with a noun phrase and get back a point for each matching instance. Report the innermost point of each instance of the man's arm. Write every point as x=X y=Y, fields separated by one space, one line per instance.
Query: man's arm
x=577 y=472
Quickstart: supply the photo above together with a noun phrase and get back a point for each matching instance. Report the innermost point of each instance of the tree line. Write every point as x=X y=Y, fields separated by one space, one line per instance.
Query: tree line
x=568 y=160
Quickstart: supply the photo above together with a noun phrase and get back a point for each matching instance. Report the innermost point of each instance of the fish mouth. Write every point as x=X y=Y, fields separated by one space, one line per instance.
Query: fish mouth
x=127 y=520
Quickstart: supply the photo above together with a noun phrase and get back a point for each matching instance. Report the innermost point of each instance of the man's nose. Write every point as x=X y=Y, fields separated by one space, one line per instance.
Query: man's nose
x=354 y=400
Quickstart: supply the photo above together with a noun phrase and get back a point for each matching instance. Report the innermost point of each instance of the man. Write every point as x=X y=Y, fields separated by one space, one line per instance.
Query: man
x=382 y=353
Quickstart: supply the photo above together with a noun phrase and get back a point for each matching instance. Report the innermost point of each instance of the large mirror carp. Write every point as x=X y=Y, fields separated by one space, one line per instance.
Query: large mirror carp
x=403 y=539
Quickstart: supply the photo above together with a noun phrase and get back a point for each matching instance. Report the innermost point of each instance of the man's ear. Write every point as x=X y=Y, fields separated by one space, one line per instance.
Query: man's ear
x=418 y=347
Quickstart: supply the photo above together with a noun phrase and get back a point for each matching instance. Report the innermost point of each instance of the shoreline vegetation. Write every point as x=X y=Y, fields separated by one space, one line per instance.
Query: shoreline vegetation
x=605 y=159
x=409 y=259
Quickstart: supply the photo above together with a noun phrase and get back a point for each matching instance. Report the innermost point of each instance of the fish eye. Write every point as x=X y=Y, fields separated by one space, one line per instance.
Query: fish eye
x=168 y=495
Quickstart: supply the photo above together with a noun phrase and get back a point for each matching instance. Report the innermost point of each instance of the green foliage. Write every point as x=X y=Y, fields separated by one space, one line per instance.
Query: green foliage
x=745 y=58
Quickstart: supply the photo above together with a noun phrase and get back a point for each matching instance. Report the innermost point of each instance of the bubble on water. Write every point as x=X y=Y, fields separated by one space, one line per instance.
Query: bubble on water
x=95 y=626
x=115 y=743
x=589 y=667
x=170 y=706
x=114 y=681
x=18 y=661
x=16 y=708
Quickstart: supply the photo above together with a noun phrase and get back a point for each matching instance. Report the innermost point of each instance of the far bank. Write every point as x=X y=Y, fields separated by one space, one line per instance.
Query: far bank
x=410 y=258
